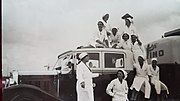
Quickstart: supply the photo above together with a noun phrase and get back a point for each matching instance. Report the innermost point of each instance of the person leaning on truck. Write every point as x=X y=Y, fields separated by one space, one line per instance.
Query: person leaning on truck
x=141 y=79
x=118 y=87
x=84 y=85
x=154 y=69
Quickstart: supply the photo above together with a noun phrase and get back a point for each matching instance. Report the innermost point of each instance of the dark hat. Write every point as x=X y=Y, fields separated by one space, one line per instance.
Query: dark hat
x=127 y=16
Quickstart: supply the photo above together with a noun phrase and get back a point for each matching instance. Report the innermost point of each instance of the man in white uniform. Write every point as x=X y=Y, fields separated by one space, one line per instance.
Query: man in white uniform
x=141 y=78
x=154 y=69
x=84 y=85
x=118 y=87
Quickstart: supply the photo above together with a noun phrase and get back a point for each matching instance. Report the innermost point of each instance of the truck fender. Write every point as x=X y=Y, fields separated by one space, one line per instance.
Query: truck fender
x=25 y=92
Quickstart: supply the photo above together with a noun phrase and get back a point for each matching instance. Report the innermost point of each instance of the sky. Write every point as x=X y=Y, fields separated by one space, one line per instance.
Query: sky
x=35 y=32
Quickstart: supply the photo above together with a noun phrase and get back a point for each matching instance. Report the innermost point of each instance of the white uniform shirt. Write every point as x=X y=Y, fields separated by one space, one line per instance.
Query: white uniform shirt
x=138 y=50
x=137 y=47
x=142 y=72
x=99 y=36
x=155 y=80
x=117 y=90
x=154 y=73
x=140 y=78
x=131 y=30
x=83 y=74
x=125 y=45
x=114 y=39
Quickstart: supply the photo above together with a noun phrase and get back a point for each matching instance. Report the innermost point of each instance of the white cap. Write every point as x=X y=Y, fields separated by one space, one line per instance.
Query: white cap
x=125 y=73
x=153 y=59
x=82 y=55
x=142 y=56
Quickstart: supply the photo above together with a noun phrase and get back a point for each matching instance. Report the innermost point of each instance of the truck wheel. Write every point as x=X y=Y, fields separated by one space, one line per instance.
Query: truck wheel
x=24 y=96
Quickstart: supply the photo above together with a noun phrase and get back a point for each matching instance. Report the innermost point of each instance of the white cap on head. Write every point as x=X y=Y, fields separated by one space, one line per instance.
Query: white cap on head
x=142 y=56
x=153 y=59
x=82 y=55
x=125 y=73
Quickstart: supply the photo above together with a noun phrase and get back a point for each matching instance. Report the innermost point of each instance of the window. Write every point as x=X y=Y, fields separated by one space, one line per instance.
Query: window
x=65 y=64
x=93 y=61
x=114 y=60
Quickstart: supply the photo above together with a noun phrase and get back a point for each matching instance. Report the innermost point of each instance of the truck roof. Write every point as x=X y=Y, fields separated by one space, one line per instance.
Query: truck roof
x=172 y=33
x=166 y=50
x=94 y=49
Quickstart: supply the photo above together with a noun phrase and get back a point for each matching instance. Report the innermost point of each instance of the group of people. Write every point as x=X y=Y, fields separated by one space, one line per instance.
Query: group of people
x=146 y=75
x=120 y=38
x=108 y=37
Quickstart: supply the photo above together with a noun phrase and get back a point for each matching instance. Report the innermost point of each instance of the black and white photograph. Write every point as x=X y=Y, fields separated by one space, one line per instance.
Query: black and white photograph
x=90 y=50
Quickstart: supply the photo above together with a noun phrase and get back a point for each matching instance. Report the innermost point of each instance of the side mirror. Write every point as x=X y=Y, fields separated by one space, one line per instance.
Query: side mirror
x=119 y=63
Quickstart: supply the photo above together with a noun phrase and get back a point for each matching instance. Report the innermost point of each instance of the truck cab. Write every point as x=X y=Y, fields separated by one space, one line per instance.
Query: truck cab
x=104 y=61
x=59 y=84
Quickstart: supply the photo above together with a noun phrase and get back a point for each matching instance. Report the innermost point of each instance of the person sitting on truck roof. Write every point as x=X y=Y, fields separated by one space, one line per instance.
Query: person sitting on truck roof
x=84 y=85
x=114 y=38
x=141 y=78
x=105 y=19
x=154 y=69
x=124 y=43
x=129 y=27
x=100 y=38
x=118 y=87
x=137 y=48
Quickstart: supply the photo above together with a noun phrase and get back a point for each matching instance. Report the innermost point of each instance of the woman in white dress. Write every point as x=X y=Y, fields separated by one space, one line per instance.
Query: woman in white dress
x=141 y=79
x=154 y=69
x=118 y=87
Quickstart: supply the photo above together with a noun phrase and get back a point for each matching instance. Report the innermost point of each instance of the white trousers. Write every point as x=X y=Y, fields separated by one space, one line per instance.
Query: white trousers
x=84 y=94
